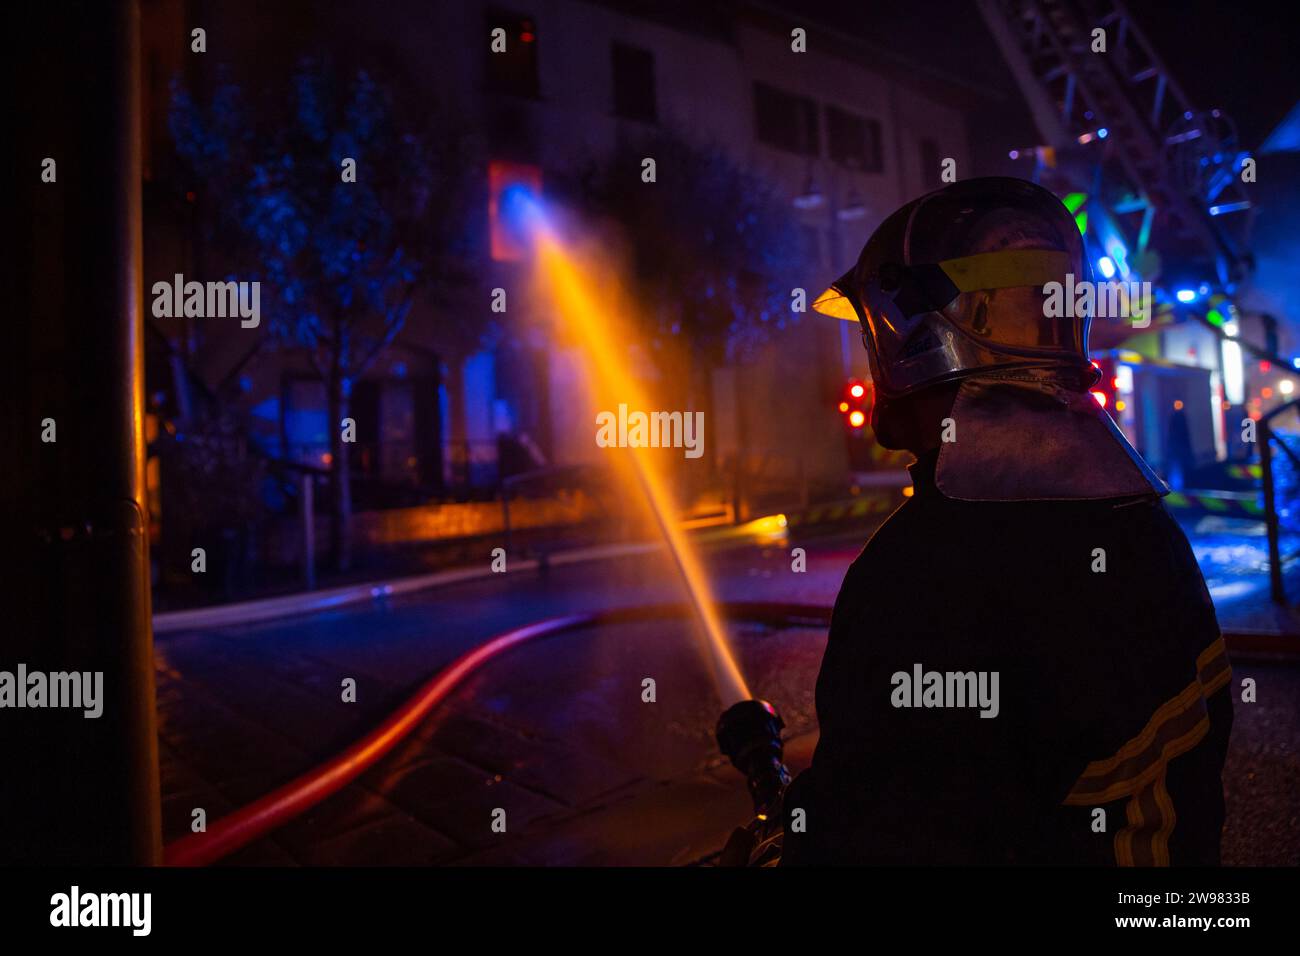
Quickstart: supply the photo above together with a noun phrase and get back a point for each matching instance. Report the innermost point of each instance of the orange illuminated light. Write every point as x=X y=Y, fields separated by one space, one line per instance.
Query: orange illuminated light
x=576 y=288
x=856 y=418
x=844 y=406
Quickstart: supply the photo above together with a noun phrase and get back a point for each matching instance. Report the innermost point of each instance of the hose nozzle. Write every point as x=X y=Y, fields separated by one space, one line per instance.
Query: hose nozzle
x=749 y=735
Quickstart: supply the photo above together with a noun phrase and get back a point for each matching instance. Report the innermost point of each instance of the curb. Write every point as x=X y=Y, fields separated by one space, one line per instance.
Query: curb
x=308 y=602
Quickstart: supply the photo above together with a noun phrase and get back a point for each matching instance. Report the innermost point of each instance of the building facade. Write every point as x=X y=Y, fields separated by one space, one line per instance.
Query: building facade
x=841 y=133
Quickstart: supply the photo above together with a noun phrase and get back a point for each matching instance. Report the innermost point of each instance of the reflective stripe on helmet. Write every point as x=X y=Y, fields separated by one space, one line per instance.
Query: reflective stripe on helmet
x=986 y=270
x=1006 y=269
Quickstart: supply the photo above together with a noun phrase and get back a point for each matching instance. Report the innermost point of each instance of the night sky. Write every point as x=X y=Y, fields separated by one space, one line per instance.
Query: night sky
x=1233 y=56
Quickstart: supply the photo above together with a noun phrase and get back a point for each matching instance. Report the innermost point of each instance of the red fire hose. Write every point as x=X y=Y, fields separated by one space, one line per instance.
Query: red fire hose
x=256 y=819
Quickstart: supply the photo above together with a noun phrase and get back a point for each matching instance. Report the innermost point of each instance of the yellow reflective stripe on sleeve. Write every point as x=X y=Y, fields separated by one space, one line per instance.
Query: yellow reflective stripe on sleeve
x=1212 y=667
x=1137 y=770
x=1169 y=727
x=1168 y=817
x=1151 y=819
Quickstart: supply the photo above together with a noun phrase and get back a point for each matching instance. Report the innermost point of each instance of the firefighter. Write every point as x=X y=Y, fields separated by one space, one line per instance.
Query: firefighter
x=1023 y=665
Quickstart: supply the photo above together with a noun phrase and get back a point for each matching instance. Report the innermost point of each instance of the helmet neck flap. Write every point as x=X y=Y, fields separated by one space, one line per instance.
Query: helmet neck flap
x=1029 y=435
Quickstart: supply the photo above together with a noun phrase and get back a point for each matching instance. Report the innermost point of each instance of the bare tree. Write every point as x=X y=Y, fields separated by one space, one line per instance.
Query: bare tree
x=346 y=207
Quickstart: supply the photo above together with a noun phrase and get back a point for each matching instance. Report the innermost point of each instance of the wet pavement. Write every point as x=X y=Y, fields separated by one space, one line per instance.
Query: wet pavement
x=244 y=709
x=1233 y=557
x=556 y=733
x=586 y=771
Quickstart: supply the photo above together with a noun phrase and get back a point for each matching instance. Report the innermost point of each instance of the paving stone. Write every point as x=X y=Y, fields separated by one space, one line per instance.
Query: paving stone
x=458 y=800
x=352 y=807
x=661 y=825
x=390 y=840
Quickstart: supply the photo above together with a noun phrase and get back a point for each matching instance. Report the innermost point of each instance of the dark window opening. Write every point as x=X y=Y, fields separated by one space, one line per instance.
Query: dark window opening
x=853 y=141
x=634 y=83
x=785 y=120
x=931 y=174
x=512 y=71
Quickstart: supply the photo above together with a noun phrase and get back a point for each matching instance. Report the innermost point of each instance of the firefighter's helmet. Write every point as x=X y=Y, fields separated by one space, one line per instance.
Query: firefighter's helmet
x=952 y=285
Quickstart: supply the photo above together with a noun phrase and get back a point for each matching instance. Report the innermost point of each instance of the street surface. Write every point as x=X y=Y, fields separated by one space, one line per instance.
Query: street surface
x=555 y=732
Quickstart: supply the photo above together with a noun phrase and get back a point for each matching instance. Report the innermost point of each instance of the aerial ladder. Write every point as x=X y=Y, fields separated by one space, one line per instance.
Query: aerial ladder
x=1171 y=171
x=1168 y=173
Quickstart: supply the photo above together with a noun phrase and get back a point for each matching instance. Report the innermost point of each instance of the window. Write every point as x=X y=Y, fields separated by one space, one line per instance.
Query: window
x=853 y=141
x=634 y=83
x=396 y=447
x=785 y=120
x=513 y=70
x=931 y=174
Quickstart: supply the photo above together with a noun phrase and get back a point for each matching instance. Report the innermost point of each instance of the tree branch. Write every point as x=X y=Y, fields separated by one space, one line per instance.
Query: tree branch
x=393 y=324
x=315 y=363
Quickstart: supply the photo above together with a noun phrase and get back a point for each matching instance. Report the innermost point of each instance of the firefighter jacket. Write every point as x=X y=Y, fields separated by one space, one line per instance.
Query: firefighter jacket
x=1011 y=682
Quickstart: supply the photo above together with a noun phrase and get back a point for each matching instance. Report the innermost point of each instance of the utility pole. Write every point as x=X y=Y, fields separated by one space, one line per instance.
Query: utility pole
x=77 y=788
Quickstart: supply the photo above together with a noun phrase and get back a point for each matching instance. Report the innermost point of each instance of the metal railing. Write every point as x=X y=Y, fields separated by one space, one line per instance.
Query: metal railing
x=592 y=479
x=1271 y=521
